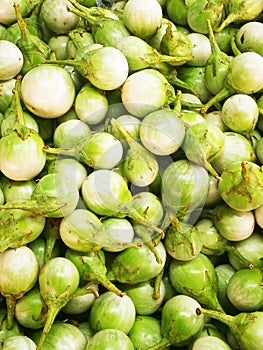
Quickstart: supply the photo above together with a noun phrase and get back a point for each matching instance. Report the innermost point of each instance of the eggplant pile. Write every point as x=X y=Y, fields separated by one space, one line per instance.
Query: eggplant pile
x=131 y=174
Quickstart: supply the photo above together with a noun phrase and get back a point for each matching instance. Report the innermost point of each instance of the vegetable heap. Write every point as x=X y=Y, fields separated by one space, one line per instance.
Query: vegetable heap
x=131 y=174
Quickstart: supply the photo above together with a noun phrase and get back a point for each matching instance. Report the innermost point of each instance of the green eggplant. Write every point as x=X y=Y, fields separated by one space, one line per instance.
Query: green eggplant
x=197 y=279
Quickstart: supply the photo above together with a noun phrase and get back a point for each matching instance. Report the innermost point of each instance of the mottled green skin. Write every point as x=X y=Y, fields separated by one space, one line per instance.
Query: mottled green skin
x=109 y=32
x=224 y=272
x=182 y=241
x=210 y=343
x=134 y=265
x=58 y=281
x=146 y=332
x=180 y=323
x=199 y=11
x=177 y=10
x=245 y=290
x=240 y=113
x=184 y=187
x=213 y=243
x=176 y=43
x=245 y=73
x=197 y=279
x=203 y=143
x=249 y=37
x=241 y=186
x=111 y=311
x=18 y=227
x=30 y=146
x=251 y=248
x=236 y=148
x=112 y=338
x=142 y=295
x=195 y=78
x=31 y=310
x=62 y=335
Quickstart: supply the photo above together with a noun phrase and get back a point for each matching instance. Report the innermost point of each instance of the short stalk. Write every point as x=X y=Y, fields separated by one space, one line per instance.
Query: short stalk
x=215 y=305
x=51 y=315
x=217 y=315
x=140 y=219
x=211 y=170
x=157 y=285
x=174 y=59
x=34 y=50
x=70 y=152
x=20 y=120
x=51 y=233
x=103 y=280
x=234 y=47
x=73 y=63
x=174 y=80
x=221 y=95
x=54 y=307
x=91 y=20
x=167 y=221
x=128 y=137
x=11 y=303
x=229 y=19
x=151 y=244
x=21 y=23
x=162 y=345
x=244 y=171
x=96 y=11
x=156 y=240
x=33 y=206
x=85 y=290
x=27 y=206
x=93 y=14
x=178 y=103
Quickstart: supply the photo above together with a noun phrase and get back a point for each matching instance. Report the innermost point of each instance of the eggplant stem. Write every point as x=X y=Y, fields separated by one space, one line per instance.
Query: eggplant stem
x=151 y=245
x=110 y=286
x=51 y=315
x=172 y=79
x=162 y=345
x=78 y=5
x=20 y=120
x=232 y=17
x=54 y=304
x=92 y=20
x=149 y=242
x=61 y=151
x=221 y=95
x=20 y=21
x=211 y=170
x=234 y=47
x=51 y=234
x=217 y=315
x=11 y=303
x=157 y=284
x=173 y=59
x=140 y=219
x=85 y=290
